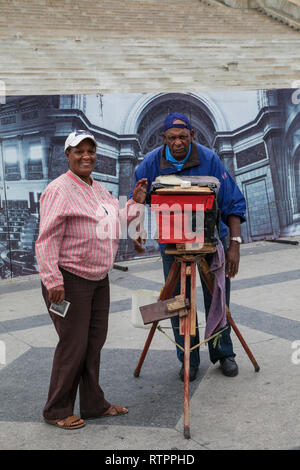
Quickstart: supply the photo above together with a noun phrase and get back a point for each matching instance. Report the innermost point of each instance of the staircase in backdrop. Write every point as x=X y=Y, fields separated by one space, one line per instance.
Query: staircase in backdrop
x=66 y=47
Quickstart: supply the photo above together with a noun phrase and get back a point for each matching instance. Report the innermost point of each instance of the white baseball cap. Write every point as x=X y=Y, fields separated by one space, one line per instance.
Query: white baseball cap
x=76 y=137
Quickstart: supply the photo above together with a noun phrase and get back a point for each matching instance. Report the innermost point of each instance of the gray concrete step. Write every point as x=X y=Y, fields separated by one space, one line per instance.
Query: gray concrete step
x=143 y=45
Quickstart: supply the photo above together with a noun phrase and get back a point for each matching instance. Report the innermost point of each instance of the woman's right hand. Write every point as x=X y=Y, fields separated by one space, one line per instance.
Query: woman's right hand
x=56 y=294
x=138 y=245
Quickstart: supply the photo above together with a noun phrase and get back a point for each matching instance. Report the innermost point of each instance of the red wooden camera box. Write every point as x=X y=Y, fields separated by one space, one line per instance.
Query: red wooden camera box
x=181 y=214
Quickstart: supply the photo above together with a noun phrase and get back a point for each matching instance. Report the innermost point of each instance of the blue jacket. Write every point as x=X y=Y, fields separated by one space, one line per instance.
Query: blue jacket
x=202 y=162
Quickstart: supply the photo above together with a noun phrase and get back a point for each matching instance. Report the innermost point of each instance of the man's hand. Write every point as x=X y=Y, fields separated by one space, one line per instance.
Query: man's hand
x=233 y=252
x=232 y=259
x=56 y=294
x=140 y=191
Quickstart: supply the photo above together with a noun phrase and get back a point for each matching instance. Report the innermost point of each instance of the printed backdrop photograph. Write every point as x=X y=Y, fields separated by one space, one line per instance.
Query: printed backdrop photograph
x=255 y=133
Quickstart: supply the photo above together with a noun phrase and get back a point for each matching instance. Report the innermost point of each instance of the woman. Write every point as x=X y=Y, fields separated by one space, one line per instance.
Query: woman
x=74 y=254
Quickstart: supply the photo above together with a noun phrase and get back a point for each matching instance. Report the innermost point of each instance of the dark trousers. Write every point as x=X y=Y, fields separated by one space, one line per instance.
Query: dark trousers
x=224 y=348
x=82 y=334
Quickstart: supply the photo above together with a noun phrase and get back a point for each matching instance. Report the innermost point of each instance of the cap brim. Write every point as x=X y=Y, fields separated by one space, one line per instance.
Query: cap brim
x=79 y=139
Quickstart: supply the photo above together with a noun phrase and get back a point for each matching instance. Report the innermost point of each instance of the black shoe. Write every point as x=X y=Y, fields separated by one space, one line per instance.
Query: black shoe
x=193 y=373
x=229 y=366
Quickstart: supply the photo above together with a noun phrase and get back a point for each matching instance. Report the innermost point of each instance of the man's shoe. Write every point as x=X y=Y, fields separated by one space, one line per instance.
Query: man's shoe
x=229 y=366
x=193 y=373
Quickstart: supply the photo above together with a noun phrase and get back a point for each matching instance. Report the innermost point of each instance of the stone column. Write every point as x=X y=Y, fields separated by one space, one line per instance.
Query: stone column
x=21 y=157
x=1 y=164
x=228 y=161
x=223 y=148
x=2 y=189
x=45 y=154
x=127 y=163
x=278 y=167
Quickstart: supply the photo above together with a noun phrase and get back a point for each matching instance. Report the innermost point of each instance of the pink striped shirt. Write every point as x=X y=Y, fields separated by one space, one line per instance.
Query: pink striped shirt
x=79 y=229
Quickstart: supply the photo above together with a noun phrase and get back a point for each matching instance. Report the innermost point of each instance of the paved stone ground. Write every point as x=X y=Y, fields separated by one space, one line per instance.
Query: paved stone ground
x=251 y=411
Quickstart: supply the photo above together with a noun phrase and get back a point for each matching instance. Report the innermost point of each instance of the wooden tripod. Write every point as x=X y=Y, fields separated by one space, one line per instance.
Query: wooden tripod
x=183 y=266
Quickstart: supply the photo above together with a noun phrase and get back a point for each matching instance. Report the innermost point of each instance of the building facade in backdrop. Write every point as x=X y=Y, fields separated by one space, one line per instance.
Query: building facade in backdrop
x=256 y=134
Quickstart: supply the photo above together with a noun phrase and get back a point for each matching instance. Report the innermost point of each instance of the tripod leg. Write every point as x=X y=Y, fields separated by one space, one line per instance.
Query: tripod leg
x=185 y=328
x=187 y=345
x=165 y=294
x=182 y=292
x=145 y=350
x=208 y=278
x=242 y=341
x=193 y=299
x=171 y=282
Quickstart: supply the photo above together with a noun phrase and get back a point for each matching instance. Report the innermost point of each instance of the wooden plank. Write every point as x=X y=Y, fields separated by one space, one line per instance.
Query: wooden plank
x=180 y=190
x=186 y=248
x=164 y=309
x=176 y=304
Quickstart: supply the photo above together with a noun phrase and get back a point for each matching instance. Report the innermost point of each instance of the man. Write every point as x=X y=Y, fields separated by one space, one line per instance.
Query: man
x=180 y=155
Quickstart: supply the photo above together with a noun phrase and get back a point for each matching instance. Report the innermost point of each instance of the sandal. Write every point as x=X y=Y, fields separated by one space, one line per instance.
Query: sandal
x=115 y=410
x=68 y=423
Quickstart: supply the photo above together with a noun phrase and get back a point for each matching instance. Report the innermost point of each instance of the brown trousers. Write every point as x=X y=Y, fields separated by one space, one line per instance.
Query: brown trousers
x=82 y=334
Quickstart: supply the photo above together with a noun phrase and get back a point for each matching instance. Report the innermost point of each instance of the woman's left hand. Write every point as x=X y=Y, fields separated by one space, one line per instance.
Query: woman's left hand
x=56 y=294
x=140 y=191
